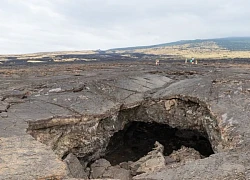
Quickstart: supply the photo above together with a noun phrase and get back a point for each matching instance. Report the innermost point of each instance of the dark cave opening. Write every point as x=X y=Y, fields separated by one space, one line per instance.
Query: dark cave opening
x=138 y=138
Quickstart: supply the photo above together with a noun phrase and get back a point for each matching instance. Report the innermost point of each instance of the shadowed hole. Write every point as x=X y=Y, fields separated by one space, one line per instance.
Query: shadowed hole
x=138 y=138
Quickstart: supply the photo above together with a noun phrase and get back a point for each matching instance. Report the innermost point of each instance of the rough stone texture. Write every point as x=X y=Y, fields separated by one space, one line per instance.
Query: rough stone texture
x=227 y=166
x=24 y=158
x=153 y=161
x=101 y=168
x=98 y=168
x=75 y=169
x=185 y=155
x=95 y=101
x=4 y=114
x=117 y=173
x=181 y=157
x=3 y=106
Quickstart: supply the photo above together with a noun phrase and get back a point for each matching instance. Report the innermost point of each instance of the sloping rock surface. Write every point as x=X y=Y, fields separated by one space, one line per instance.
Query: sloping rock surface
x=53 y=102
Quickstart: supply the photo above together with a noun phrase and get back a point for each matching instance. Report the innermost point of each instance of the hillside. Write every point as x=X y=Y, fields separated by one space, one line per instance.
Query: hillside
x=223 y=48
x=234 y=47
x=232 y=43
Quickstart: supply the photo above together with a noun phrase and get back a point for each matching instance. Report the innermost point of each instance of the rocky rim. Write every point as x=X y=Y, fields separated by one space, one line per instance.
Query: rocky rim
x=50 y=112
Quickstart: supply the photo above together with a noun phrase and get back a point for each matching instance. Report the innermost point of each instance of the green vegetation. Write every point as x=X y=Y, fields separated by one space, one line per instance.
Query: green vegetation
x=222 y=48
x=232 y=44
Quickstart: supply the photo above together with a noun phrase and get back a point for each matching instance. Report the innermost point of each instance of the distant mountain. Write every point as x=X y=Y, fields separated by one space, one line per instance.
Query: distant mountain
x=221 y=48
x=230 y=43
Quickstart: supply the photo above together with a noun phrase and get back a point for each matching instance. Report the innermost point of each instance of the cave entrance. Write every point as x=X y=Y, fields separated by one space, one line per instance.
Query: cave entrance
x=138 y=138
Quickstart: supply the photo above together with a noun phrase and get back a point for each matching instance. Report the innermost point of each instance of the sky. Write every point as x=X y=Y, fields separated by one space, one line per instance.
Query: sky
x=28 y=26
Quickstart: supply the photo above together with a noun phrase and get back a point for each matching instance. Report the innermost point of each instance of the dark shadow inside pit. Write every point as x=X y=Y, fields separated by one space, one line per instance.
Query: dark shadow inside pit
x=138 y=138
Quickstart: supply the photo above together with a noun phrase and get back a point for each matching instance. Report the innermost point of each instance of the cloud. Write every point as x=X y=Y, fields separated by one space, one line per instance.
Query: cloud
x=45 y=25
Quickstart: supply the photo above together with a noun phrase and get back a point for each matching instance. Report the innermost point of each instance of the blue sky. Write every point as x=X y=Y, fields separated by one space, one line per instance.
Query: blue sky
x=53 y=25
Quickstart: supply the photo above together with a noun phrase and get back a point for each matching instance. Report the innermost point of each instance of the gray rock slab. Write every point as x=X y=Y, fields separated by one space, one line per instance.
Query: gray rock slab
x=104 y=89
x=98 y=168
x=75 y=169
x=218 y=166
x=4 y=114
x=117 y=173
x=3 y=106
x=23 y=158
